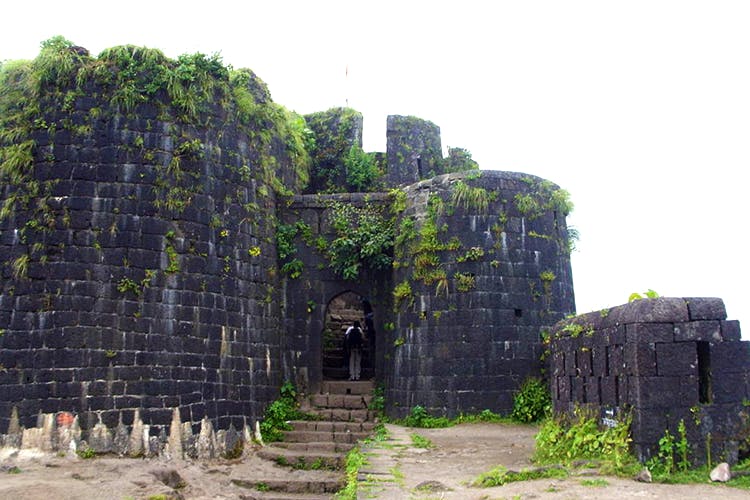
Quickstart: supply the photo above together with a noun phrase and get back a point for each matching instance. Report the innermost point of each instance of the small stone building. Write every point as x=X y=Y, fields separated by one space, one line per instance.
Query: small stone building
x=659 y=361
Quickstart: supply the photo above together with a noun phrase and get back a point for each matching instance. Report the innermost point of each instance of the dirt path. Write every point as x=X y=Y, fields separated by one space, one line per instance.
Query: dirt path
x=463 y=452
x=459 y=455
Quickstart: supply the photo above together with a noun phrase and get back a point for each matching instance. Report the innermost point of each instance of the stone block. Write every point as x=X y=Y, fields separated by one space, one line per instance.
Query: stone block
x=617 y=335
x=706 y=308
x=654 y=393
x=557 y=364
x=570 y=363
x=730 y=330
x=608 y=390
x=576 y=389
x=677 y=359
x=706 y=331
x=599 y=361
x=563 y=389
x=591 y=390
x=730 y=357
x=660 y=310
x=689 y=392
x=640 y=359
x=68 y=358
x=648 y=426
x=649 y=332
x=583 y=362
x=615 y=360
x=729 y=387
x=649 y=393
x=623 y=390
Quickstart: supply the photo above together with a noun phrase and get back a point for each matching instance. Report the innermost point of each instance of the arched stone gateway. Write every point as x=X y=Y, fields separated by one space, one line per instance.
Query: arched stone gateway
x=480 y=265
x=342 y=311
x=319 y=303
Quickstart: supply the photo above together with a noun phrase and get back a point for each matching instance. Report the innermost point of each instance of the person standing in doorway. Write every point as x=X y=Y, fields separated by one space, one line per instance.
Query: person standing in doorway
x=353 y=341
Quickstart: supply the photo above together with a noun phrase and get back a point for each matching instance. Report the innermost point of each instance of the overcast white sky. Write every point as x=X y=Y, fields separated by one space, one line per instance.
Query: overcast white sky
x=640 y=109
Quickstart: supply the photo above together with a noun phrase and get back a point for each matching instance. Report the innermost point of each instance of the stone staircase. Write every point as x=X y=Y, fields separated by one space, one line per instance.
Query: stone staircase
x=314 y=451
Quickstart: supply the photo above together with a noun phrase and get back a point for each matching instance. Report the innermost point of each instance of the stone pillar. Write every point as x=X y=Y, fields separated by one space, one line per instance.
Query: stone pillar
x=414 y=150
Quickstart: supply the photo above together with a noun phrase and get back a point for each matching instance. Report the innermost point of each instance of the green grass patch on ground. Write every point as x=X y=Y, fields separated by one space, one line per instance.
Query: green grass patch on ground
x=419 y=441
x=598 y=482
x=701 y=475
x=499 y=476
x=419 y=418
x=354 y=460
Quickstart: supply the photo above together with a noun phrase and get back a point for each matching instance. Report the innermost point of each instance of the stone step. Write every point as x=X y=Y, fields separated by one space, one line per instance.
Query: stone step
x=342 y=374
x=326 y=446
x=303 y=459
x=340 y=415
x=337 y=373
x=341 y=401
x=328 y=426
x=335 y=360
x=341 y=364
x=319 y=437
x=364 y=387
x=294 y=488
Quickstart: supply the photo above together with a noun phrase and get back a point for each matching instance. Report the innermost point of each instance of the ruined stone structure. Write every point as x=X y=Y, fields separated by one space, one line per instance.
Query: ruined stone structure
x=481 y=281
x=174 y=246
x=659 y=361
x=158 y=252
x=414 y=150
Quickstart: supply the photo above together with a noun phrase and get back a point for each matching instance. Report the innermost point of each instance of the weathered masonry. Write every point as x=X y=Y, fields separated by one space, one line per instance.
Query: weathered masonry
x=163 y=255
x=662 y=361
x=457 y=318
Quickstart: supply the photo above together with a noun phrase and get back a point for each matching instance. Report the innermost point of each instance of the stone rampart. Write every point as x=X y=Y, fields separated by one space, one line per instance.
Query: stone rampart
x=481 y=266
x=157 y=257
x=138 y=251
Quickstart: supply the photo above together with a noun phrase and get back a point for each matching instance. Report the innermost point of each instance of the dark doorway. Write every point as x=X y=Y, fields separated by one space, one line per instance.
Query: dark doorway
x=342 y=311
x=705 y=391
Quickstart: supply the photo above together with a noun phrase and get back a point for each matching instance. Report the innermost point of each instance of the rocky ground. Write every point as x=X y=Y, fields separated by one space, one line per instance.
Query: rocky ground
x=397 y=470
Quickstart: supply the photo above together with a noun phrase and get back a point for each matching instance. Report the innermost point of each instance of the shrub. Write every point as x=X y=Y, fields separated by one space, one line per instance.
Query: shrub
x=564 y=439
x=418 y=417
x=361 y=169
x=279 y=412
x=532 y=402
x=499 y=476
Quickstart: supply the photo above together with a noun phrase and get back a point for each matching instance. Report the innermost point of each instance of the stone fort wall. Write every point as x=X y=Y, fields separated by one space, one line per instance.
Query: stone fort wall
x=137 y=263
x=141 y=269
x=485 y=261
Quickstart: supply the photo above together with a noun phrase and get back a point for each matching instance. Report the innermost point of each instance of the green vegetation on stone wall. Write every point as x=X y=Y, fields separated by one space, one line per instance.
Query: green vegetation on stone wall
x=458 y=160
x=544 y=196
x=338 y=162
x=362 y=173
x=279 y=412
x=285 y=235
x=414 y=142
x=121 y=80
x=532 y=402
x=364 y=239
x=402 y=294
x=420 y=245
